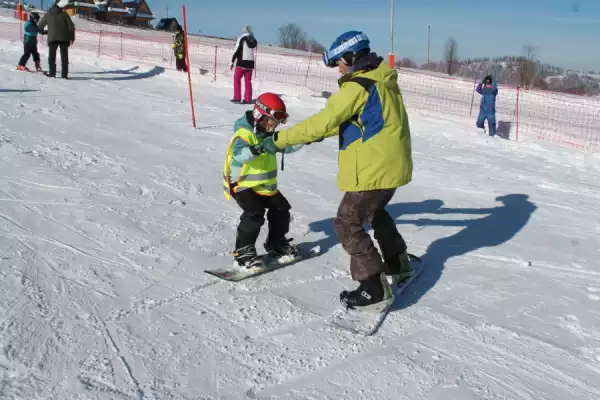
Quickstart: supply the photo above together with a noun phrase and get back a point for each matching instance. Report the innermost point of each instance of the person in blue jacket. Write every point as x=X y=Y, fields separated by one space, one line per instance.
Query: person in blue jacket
x=488 y=89
x=30 y=33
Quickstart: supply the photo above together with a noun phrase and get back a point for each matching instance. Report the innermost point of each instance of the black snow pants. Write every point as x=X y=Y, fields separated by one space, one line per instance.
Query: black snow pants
x=253 y=217
x=30 y=49
x=64 y=58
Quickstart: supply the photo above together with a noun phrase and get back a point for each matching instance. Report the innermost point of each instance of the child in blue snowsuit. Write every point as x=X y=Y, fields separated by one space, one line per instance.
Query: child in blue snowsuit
x=30 y=34
x=488 y=90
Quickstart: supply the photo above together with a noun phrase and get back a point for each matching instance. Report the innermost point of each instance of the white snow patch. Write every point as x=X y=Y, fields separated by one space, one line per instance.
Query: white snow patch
x=107 y=222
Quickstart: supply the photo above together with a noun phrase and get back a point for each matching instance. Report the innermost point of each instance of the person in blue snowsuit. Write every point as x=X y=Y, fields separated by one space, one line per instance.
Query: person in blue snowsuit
x=30 y=34
x=488 y=89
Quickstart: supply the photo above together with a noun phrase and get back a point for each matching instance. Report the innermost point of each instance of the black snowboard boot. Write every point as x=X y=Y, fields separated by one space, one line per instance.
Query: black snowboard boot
x=398 y=270
x=246 y=257
x=280 y=247
x=371 y=291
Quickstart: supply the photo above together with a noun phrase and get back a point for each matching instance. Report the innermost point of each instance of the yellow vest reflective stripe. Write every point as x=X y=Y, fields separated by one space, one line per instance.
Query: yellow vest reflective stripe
x=260 y=174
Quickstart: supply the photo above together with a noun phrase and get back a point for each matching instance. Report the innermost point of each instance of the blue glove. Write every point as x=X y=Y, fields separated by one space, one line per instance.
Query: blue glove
x=269 y=146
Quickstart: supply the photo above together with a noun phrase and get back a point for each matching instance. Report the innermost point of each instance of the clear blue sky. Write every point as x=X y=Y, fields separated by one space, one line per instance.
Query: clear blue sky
x=566 y=32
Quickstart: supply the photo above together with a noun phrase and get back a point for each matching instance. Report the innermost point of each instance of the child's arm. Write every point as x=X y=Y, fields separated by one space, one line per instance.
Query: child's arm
x=479 y=88
x=242 y=152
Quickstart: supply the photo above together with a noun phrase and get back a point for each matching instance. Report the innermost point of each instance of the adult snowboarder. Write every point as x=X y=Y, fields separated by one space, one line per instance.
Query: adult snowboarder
x=375 y=159
x=250 y=177
x=179 y=49
x=243 y=60
x=61 y=34
x=488 y=89
x=30 y=42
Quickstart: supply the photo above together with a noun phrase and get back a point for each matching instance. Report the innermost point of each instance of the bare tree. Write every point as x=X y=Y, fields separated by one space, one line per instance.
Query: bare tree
x=526 y=68
x=406 y=63
x=292 y=36
x=450 y=54
x=315 y=47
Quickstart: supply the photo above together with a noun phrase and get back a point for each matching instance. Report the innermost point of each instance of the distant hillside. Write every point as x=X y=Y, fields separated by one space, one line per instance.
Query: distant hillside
x=506 y=71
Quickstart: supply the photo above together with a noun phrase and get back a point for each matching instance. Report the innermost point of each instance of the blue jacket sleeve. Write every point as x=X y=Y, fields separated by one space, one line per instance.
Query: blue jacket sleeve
x=479 y=88
x=495 y=88
x=31 y=29
x=241 y=151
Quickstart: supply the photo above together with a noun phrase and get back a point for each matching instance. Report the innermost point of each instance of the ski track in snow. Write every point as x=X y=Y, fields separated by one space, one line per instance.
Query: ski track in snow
x=111 y=207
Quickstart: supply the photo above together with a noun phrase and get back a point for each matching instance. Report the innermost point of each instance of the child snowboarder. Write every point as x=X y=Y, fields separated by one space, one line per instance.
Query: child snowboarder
x=250 y=177
x=179 y=49
x=488 y=90
x=31 y=31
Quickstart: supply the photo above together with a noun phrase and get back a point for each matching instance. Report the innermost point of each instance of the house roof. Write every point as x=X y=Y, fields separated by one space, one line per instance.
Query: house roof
x=130 y=8
x=133 y=5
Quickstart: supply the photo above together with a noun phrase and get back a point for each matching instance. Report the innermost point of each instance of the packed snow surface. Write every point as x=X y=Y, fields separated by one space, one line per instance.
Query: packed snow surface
x=111 y=207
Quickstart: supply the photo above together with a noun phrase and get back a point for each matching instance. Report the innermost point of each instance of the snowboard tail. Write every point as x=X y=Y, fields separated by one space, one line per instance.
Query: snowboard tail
x=366 y=321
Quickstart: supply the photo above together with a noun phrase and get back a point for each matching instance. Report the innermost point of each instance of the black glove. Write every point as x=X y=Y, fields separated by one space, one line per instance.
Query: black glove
x=257 y=149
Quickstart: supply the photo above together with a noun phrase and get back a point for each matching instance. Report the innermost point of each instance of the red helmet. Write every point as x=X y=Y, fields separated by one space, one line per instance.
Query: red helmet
x=270 y=104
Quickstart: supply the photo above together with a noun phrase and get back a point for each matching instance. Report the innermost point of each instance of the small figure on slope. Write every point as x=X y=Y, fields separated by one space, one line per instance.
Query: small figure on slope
x=179 y=49
x=30 y=42
x=488 y=89
x=250 y=177
x=375 y=159
x=243 y=61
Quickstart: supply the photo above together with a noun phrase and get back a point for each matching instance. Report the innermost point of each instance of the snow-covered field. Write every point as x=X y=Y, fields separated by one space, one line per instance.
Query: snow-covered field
x=111 y=207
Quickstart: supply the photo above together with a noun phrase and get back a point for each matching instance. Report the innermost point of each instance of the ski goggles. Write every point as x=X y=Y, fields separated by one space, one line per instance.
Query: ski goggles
x=277 y=115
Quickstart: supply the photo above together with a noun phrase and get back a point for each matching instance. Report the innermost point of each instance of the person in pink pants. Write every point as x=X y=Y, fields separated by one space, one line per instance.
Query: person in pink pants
x=240 y=73
x=243 y=60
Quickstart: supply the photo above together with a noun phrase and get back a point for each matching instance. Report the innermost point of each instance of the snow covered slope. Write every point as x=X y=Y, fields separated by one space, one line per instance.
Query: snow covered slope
x=111 y=207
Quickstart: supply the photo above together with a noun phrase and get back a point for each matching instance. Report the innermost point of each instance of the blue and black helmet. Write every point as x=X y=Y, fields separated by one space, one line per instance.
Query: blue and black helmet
x=348 y=45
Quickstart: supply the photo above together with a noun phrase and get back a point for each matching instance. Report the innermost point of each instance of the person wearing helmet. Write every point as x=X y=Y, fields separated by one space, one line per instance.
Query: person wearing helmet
x=250 y=177
x=488 y=89
x=375 y=159
x=30 y=33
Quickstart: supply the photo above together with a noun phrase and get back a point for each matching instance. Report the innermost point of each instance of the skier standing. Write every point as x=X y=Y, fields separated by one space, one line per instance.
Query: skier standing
x=488 y=89
x=179 y=49
x=243 y=57
x=250 y=177
x=375 y=159
x=61 y=34
x=30 y=33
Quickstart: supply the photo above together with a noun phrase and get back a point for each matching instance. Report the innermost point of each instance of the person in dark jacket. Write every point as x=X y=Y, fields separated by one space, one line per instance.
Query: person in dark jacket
x=488 y=89
x=179 y=50
x=30 y=34
x=243 y=59
x=61 y=34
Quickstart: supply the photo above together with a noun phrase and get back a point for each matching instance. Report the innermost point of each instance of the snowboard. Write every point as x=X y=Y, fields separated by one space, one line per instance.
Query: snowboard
x=236 y=274
x=33 y=71
x=367 y=321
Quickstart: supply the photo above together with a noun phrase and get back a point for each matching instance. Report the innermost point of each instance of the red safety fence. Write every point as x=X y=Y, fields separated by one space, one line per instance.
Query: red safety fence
x=568 y=120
